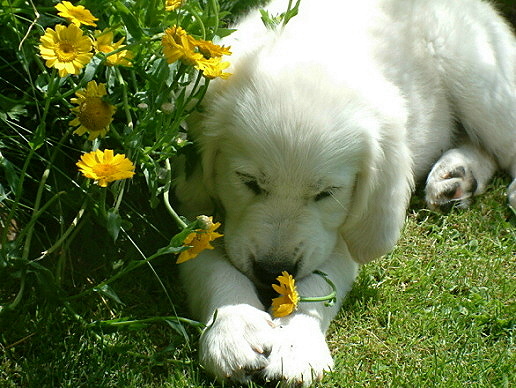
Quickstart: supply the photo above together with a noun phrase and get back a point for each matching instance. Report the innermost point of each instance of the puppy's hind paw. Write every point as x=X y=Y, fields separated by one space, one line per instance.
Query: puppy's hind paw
x=448 y=186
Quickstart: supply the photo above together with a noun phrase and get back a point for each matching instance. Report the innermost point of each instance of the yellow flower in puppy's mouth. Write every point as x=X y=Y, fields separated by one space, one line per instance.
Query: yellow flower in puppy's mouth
x=287 y=302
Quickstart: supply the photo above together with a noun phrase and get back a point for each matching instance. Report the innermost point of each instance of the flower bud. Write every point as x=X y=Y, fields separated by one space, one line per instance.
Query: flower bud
x=205 y=222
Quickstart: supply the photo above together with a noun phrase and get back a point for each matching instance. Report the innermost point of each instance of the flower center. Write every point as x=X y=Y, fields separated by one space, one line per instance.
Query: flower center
x=104 y=170
x=66 y=52
x=95 y=114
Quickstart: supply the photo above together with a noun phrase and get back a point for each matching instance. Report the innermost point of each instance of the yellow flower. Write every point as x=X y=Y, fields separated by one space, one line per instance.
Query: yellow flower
x=210 y=49
x=204 y=55
x=213 y=68
x=178 y=45
x=76 y=14
x=66 y=49
x=93 y=114
x=105 y=167
x=199 y=240
x=104 y=44
x=171 y=5
x=287 y=302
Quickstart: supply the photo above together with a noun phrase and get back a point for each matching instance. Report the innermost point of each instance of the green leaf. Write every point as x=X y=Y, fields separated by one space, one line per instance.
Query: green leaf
x=46 y=281
x=177 y=240
x=130 y=21
x=11 y=174
x=109 y=292
x=179 y=328
x=271 y=22
x=39 y=136
x=91 y=70
x=113 y=223
x=170 y=249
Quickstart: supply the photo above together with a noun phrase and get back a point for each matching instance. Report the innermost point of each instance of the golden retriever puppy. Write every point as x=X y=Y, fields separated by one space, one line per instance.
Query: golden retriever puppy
x=310 y=151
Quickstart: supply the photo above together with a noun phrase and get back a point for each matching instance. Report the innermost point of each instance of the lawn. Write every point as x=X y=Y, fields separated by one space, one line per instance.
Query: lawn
x=89 y=292
x=438 y=311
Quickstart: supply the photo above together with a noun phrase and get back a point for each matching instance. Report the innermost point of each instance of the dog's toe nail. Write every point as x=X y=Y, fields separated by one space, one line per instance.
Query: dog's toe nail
x=457 y=172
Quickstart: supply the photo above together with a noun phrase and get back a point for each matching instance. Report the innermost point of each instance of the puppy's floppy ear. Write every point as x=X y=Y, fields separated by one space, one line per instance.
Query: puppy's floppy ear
x=194 y=186
x=381 y=195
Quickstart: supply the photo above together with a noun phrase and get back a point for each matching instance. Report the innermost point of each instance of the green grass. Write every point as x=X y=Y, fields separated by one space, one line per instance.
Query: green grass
x=438 y=311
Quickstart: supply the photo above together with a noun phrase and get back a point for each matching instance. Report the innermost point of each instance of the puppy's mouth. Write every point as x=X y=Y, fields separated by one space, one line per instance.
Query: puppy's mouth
x=265 y=294
x=266 y=273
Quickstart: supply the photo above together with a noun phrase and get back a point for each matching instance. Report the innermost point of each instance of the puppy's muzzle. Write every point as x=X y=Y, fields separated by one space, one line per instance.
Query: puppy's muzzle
x=267 y=269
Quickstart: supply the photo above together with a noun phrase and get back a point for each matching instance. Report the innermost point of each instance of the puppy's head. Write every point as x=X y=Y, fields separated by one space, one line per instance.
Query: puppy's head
x=298 y=164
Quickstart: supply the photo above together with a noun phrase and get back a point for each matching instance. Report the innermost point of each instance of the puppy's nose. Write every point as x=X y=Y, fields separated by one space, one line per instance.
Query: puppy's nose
x=268 y=269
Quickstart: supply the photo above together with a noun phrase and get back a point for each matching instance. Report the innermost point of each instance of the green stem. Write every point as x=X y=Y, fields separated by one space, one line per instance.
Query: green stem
x=77 y=317
x=199 y=21
x=214 y=5
x=65 y=235
x=23 y=174
x=117 y=276
x=181 y=70
x=18 y=194
x=125 y=99
x=330 y=298
x=289 y=7
x=290 y=14
x=31 y=154
x=37 y=211
x=166 y=199
x=28 y=239
x=118 y=323
x=60 y=265
x=19 y=295
x=103 y=199
x=27 y=229
x=120 y=196
x=40 y=132
x=195 y=93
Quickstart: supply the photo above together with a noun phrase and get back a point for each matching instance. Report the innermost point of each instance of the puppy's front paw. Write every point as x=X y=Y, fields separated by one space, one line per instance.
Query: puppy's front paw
x=236 y=345
x=450 y=184
x=299 y=355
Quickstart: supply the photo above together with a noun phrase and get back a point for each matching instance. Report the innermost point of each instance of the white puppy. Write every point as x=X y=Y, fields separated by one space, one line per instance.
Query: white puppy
x=310 y=152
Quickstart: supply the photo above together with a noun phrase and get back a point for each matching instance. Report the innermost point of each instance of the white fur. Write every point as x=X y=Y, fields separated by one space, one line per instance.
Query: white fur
x=311 y=149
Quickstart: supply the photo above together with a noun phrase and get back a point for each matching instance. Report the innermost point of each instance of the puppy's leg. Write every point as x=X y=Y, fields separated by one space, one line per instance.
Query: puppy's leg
x=239 y=335
x=477 y=60
x=299 y=353
x=458 y=175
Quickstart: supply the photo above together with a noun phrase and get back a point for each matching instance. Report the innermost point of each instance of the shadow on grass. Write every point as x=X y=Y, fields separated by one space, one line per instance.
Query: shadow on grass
x=365 y=292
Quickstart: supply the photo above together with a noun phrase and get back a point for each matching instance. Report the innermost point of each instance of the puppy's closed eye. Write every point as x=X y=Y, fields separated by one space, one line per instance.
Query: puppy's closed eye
x=251 y=183
x=325 y=194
